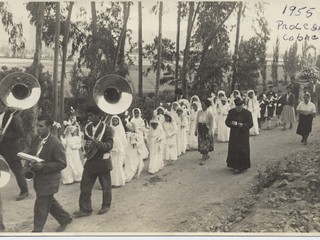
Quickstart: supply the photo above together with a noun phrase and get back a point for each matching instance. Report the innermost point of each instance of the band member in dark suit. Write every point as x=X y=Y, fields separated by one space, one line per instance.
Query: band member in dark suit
x=10 y=145
x=47 y=176
x=99 y=138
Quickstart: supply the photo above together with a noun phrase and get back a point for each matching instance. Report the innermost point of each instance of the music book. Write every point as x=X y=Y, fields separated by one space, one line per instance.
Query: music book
x=29 y=157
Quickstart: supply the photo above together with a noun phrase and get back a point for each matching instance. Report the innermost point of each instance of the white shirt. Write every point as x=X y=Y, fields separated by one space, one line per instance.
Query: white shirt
x=310 y=107
x=1 y=118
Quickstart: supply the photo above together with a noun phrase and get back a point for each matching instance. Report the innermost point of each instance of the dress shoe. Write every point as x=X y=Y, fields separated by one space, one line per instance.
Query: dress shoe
x=103 y=210
x=2 y=227
x=63 y=226
x=79 y=214
x=22 y=196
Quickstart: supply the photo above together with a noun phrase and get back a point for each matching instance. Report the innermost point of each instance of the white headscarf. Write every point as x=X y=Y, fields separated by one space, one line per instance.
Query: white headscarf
x=119 y=129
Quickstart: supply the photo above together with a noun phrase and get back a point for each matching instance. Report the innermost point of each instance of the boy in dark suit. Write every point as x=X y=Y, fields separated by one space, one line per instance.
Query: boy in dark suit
x=47 y=176
x=99 y=136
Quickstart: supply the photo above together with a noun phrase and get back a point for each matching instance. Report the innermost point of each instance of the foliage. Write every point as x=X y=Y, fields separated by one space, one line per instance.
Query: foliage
x=14 y=30
x=318 y=62
x=211 y=73
x=167 y=59
x=291 y=61
x=209 y=57
x=274 y=67
x=248 y=63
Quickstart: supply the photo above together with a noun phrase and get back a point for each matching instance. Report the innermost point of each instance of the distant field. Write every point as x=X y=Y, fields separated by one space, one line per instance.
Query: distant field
x=148 y=81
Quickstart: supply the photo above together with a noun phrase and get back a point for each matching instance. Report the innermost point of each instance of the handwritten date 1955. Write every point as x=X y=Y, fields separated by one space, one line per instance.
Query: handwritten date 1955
x=297 y=11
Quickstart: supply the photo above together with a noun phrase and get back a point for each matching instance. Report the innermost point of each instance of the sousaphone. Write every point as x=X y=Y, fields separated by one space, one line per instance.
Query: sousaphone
x=18 y=91
x=113 y=95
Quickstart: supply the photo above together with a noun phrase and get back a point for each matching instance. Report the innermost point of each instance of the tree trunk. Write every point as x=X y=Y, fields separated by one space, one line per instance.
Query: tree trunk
x=178 y=46
x=37 y=55
x=236 y=48
x=159 y=52
x=191 y=18
x=118 y=60
x=64 y=60
x=140 y=50
x=55 y=65
x=94 y=20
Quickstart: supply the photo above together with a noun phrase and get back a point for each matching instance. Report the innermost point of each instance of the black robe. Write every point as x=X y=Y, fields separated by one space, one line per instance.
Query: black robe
x=239 y=146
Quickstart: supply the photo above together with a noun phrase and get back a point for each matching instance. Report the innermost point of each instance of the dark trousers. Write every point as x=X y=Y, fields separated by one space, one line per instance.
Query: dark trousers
x=1 y=209
x=87 y=182
x=16 y=167
x=45 y=205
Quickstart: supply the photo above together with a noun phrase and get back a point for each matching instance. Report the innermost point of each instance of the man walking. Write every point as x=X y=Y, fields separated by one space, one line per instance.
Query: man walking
x=47 y=176
x=99 y=137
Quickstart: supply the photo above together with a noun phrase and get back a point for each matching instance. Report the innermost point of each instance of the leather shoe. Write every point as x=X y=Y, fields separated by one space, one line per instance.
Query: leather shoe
x=79 y=214
x=63 y=226
x=22 y=196
x=103 y=210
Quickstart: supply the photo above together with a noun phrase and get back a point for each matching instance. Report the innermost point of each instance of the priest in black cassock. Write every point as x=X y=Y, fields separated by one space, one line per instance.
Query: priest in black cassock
x=239 y=120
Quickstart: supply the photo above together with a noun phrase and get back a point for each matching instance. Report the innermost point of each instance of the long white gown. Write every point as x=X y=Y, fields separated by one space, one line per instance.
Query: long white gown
x=183 y=137
x=156 y=141
x=170 y=130
x=74 y=169
x=133 y=161
x=118 y=154
x=140 y=130
x=223 y=130
x=254 y=108
x=192 y=138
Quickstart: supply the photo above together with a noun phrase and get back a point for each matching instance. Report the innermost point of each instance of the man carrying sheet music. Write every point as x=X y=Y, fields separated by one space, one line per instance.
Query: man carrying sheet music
x=47 y=176
x=10 y=144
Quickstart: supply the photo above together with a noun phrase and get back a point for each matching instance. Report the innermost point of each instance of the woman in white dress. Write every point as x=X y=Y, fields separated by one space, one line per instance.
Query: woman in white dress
x=140 y=130
x=118 y=152
x=170 y=129
x=223 y=130
x=133 y=163
x=254 y=108
x=156 y=141
x=192 y=139
x=218 y=104
x=73 y=172
x=182 y=133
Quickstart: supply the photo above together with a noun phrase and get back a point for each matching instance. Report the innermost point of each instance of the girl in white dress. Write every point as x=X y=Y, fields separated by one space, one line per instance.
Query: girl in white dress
x=156 y=141
x=140 y=130
x=133 y=163
x=182 y=133
x=192 y=139
x=223 y=130
x=234 y=95
x=254 y=108
x=73 y=172
x=118 y=152
x=159 y=114
x=170 y=129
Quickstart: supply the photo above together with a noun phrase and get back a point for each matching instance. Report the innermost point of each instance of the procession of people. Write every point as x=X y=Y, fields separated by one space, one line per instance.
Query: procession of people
x=114 y=149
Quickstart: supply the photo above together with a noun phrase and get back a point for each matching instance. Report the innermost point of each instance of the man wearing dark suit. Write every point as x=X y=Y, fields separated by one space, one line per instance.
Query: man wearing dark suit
x=10 y=145
x=314 y=90
x=47 y=176
x=100 y=136
x=295 y=90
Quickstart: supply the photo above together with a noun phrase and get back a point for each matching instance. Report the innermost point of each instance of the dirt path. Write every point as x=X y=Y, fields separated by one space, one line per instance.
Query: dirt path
x=160 y=203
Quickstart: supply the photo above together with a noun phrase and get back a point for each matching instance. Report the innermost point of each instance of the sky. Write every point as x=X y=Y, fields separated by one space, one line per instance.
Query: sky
x=280 y=15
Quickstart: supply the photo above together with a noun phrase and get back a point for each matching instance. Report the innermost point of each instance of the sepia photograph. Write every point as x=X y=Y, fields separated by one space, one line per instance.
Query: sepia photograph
x=160 y=118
